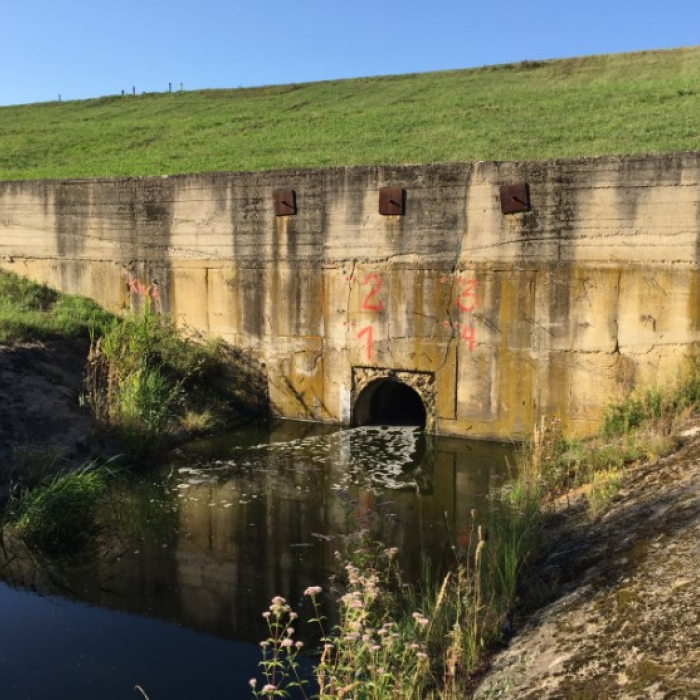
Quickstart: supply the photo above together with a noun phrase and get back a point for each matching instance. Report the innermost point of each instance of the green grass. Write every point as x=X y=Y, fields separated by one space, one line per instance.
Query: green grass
x=643 y=427
x=58 y=517
x=612 y=104
x=30 y=311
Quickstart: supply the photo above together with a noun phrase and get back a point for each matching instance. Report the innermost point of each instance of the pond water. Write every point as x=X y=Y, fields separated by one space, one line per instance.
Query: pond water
x=191 y=554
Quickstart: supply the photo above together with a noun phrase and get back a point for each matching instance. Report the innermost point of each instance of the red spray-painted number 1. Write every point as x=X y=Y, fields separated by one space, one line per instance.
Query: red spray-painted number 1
x=376 y=281
x=367 y=331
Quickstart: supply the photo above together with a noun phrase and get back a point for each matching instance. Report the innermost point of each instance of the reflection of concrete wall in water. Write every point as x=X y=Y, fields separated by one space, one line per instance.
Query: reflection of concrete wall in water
x=556 y=309
x=233 y=552
x=232 y=560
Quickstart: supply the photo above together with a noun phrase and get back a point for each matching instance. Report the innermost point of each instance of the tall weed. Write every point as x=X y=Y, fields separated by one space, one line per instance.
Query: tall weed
x=130 y=387
x=147 y=382
x=394 y=640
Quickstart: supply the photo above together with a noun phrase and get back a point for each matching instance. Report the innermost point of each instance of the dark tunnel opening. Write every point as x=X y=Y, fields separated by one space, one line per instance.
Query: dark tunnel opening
x=389 y=402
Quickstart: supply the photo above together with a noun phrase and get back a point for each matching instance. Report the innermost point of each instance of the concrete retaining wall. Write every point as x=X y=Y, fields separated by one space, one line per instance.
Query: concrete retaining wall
x=508 y=317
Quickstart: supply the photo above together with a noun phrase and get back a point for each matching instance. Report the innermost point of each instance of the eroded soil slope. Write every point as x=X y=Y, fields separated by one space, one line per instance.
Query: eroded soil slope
x=626 y=619
x=42 y=424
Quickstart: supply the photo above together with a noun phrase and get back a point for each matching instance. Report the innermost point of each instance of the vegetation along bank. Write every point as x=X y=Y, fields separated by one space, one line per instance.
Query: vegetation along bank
x=79 y=385
x=581 y=581
x=582 y=523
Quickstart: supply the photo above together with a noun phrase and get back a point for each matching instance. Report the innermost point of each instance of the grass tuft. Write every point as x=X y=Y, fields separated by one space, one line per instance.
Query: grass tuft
x=58 y=517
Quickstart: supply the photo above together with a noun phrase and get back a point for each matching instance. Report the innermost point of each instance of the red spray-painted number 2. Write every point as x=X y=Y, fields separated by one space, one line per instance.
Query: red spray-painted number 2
x=467 y=300
x=367 y=331
x=376 y=281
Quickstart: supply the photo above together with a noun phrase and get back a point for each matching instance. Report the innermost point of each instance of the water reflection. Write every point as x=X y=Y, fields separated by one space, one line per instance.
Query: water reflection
x=228 y=523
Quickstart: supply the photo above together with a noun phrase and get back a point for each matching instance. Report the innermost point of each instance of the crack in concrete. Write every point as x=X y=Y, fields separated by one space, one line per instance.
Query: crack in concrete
x=351 y=277
x=616 y=350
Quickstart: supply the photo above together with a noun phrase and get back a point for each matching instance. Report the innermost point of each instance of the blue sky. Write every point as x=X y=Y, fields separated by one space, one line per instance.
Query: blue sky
x=81 y=49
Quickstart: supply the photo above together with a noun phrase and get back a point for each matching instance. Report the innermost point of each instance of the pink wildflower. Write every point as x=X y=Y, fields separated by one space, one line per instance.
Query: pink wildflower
x=420 y=619
x=313 y=590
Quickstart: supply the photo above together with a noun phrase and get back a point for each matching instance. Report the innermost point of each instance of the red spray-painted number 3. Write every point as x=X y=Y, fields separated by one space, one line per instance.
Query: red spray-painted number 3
x=376 y=281
x=467 y=300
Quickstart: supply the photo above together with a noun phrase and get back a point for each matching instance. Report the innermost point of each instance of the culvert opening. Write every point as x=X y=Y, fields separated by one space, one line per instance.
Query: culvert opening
x=389 y=402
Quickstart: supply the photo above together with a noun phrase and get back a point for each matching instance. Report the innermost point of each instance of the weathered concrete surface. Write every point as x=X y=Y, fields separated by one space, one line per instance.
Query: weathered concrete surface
x=556 y=310
x=626 y=622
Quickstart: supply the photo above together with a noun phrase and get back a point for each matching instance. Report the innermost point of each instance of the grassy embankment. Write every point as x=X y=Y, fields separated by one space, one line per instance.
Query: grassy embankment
x=34 y=312
x=145 y=382
x=146 y=385
x=398 y=640
x=613 y=104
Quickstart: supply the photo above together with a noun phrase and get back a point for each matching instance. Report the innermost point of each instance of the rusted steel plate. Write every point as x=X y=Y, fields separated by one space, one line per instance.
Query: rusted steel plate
x=515 y=198
x=285 y=202
x=392 y=201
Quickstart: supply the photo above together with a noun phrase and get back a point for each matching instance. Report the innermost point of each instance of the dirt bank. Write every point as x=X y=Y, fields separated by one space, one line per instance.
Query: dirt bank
x=43 y=427
x=625 y=621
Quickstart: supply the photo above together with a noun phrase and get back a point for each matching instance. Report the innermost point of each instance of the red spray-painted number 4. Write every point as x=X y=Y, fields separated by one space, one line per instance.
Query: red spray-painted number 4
x=376 y=281
x=469 y=334
x=367 y=331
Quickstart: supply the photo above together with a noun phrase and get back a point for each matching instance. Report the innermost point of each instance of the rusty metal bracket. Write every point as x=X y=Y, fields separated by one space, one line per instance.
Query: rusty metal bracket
x=515 y=198
x=392 y=201
x=285 y=202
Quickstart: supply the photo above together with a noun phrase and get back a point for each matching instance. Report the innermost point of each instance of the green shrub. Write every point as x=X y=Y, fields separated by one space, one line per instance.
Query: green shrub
x=622 y=418
x=654 y=405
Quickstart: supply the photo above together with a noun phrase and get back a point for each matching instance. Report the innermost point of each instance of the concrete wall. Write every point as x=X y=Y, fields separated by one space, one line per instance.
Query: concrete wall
x=500 y=318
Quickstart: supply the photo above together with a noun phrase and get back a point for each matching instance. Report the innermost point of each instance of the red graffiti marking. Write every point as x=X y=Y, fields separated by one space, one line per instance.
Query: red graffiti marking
x=469 y=334
x=135 y=286
x=376 y=281
x=367 y=331
x=469 y=293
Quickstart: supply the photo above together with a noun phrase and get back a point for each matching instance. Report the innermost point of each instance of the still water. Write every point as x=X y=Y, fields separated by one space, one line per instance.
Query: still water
x=191 y=554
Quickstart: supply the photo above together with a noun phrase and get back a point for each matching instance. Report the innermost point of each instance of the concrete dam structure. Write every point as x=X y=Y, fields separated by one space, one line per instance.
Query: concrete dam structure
x=472 y=297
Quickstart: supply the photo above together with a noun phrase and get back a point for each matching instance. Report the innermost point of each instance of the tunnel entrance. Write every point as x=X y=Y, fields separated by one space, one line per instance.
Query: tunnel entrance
x=389 y=402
